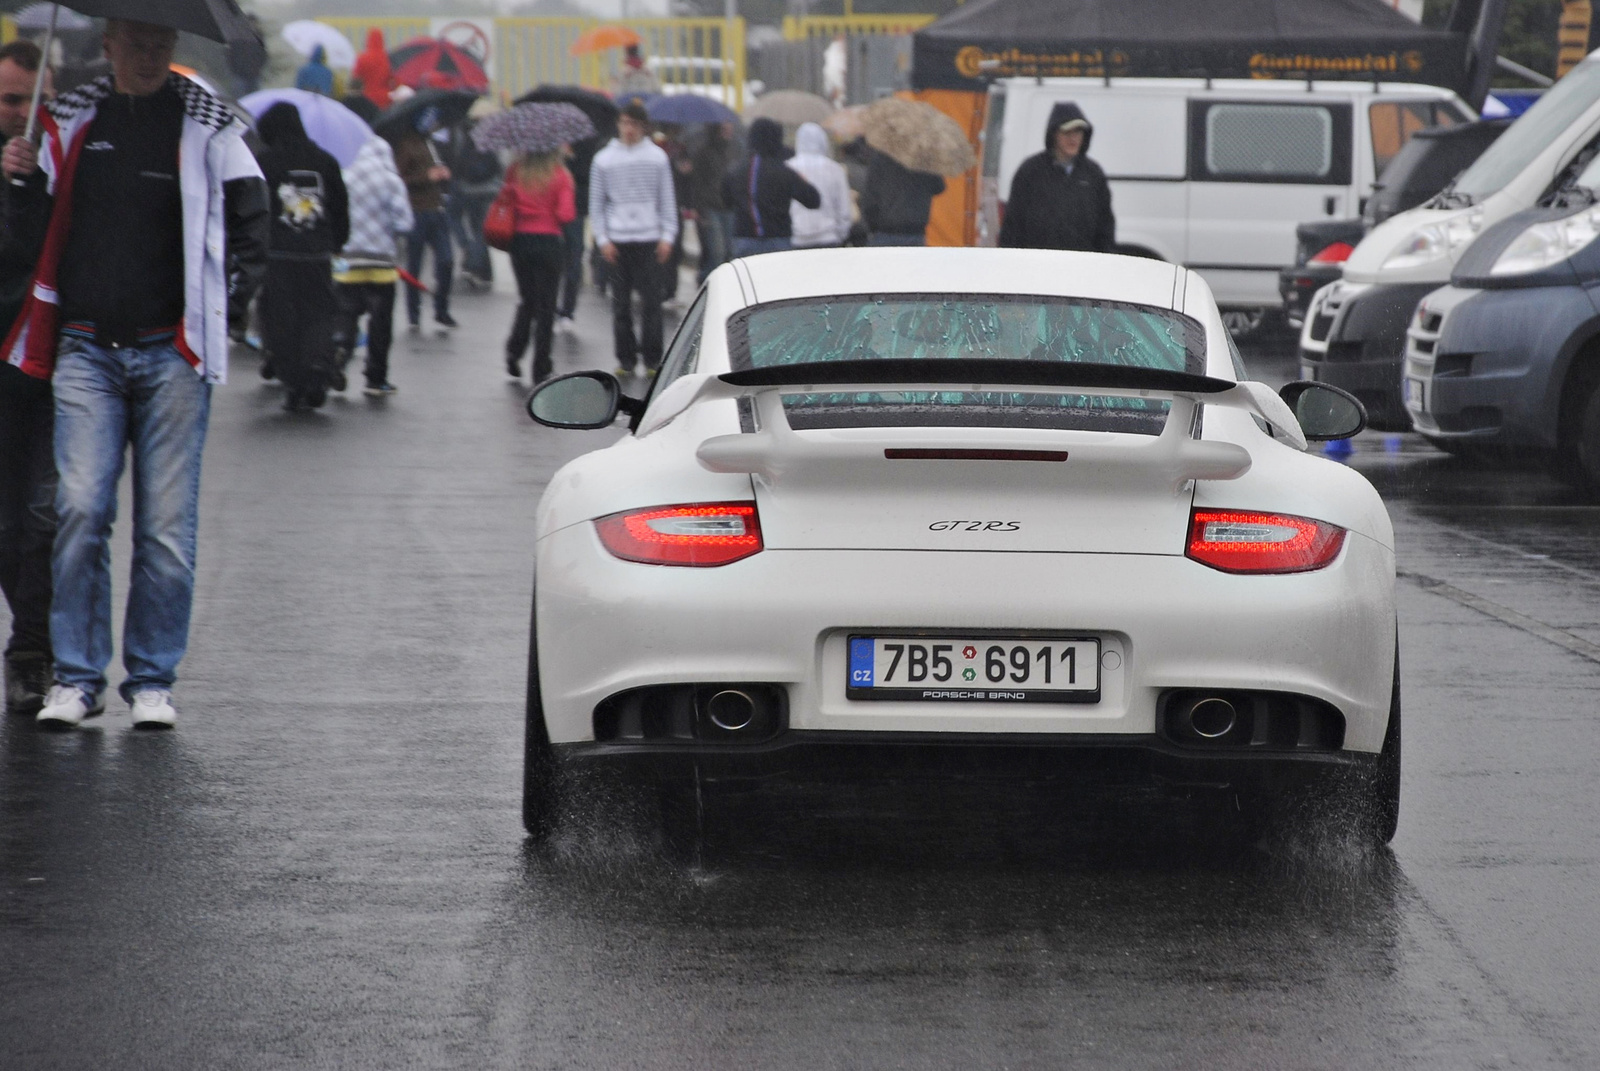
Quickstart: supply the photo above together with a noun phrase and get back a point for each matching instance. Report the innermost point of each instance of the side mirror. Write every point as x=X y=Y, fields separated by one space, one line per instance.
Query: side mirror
x=581 y=401
x=1324 y=411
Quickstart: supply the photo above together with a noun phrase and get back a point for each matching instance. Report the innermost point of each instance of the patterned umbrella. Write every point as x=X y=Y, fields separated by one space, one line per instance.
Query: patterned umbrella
x=426 y=63
x=533 y=128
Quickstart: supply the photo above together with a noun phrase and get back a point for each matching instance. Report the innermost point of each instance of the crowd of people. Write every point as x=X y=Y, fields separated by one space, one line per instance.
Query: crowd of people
x=118 y=323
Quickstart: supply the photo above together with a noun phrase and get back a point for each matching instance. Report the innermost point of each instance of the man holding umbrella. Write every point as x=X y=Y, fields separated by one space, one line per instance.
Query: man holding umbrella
x=143 y=195
x=27 y=466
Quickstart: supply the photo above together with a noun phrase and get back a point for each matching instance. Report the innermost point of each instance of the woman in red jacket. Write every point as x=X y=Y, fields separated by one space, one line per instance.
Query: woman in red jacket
x=540 y=189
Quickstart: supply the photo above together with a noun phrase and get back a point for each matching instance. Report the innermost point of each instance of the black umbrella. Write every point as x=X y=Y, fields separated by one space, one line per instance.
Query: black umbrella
x=447 y=107
x=600 y=109
x=220 y=20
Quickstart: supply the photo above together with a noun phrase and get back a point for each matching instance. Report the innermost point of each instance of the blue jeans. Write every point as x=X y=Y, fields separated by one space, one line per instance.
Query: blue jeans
x=712 y=228
x=572 y=266
x=749 y=247
x=107 y=399
x=432 y=232
x=467 y=213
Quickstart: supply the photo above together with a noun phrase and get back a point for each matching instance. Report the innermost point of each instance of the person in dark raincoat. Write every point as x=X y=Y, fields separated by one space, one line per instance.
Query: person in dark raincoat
x=759 y=188
x=310 y=211
x=1059 y=197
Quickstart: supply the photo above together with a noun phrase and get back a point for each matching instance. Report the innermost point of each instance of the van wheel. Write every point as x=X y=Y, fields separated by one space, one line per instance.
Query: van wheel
x=1584 y=462
x=1242 y=323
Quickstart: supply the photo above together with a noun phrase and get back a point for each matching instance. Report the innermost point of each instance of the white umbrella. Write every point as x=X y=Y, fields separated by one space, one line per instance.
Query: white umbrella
x=306 y=34
x=37 y=17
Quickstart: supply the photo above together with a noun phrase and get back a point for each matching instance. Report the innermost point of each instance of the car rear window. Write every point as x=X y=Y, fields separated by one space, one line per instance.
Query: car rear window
x=936 y=327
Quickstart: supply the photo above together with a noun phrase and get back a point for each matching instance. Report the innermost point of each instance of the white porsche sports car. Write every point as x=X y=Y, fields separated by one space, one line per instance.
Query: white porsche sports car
x=884 y=506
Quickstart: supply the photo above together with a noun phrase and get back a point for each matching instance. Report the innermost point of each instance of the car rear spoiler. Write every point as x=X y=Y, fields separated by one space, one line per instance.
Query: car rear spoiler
x=775 y=447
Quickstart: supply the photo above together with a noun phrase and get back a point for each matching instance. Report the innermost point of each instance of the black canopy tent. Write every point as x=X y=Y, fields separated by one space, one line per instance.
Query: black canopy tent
x=1365 y=39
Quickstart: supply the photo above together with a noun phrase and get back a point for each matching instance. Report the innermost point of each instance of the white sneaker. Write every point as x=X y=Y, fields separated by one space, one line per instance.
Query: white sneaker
x=565 y=325
x=66 y=706
x=152 y=709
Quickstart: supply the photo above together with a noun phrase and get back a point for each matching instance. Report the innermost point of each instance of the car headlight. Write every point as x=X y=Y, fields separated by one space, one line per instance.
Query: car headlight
x=1436 y=240
x=1544 y=244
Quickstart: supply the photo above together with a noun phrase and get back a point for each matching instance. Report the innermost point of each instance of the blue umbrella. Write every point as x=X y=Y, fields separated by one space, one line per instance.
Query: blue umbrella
x=685 y=108
x=328 y=123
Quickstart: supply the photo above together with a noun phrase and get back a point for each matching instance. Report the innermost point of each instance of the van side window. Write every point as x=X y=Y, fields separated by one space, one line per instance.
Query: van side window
x=1289 y=143
x=1394 y=121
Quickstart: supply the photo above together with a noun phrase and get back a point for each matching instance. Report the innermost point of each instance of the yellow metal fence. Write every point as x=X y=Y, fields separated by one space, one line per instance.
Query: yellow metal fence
x=701 y=55
x=831 y=26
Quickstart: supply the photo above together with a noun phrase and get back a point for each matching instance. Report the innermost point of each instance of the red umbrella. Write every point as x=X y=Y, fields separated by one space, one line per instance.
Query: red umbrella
x=432 y=64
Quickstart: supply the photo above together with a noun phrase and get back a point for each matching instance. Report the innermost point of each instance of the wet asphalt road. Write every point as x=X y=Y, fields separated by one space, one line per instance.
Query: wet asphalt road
x=323 y=866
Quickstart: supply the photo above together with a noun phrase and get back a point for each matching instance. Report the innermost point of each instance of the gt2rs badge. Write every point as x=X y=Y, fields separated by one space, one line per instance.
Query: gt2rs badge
x=975 y=526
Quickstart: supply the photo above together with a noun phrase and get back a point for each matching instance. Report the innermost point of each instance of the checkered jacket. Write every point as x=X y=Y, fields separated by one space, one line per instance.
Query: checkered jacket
x=211 y=156
x=379 y=206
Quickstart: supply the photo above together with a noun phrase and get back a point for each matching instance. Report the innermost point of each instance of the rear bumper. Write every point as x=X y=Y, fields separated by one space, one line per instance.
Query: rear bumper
x=784 y=617
x=1088 y=759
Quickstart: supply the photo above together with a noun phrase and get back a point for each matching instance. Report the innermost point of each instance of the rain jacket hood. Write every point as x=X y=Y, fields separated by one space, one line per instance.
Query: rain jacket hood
x=766 y=138
x=1066 y=112
x=813 y=140
x=280 y=126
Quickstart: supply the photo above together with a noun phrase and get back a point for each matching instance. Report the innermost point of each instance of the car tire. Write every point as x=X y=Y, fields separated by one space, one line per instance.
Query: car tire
x=1585 y=461
x=540 y=771
x=1378 y=802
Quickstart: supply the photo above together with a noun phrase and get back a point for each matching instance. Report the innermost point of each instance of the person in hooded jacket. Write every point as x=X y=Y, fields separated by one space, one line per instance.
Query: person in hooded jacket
x=758 y=190
x=373 y=70
x=896 y=201
x=380 y=211
x=316 y=76
x=1059 y=197
x=828 y=225
x=310 y=210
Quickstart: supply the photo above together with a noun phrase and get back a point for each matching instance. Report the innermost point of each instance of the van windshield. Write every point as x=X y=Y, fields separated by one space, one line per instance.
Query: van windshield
x=1530 y=135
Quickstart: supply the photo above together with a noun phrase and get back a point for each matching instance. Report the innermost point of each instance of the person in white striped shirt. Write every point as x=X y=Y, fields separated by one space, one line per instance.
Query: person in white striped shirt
x=634 y=215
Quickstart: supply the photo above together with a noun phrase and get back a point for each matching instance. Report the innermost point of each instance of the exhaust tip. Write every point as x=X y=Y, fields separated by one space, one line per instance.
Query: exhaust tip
x=1212 y=718
x=731 y=710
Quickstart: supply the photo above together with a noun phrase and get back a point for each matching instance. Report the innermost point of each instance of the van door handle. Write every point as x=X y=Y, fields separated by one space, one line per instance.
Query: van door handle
x=1330 y=205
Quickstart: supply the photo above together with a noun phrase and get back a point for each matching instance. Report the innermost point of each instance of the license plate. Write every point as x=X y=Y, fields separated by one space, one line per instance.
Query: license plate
x=976 y=669
x=1416 y=392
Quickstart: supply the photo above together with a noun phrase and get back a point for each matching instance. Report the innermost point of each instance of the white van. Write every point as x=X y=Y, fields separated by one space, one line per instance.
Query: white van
x=1354 y=334
x=1216 y=174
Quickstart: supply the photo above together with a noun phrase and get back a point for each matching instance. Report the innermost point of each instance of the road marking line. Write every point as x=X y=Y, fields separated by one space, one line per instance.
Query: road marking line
x=1561 y=638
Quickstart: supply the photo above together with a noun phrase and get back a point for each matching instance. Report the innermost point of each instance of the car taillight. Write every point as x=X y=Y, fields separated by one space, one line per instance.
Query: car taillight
x=1335 y=253
x=709 y=533
x=1239 y=541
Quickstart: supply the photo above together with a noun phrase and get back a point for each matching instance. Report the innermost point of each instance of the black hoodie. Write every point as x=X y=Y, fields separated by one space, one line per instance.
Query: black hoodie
x=1050 y=208
x=309 y=204
x=758 y=189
